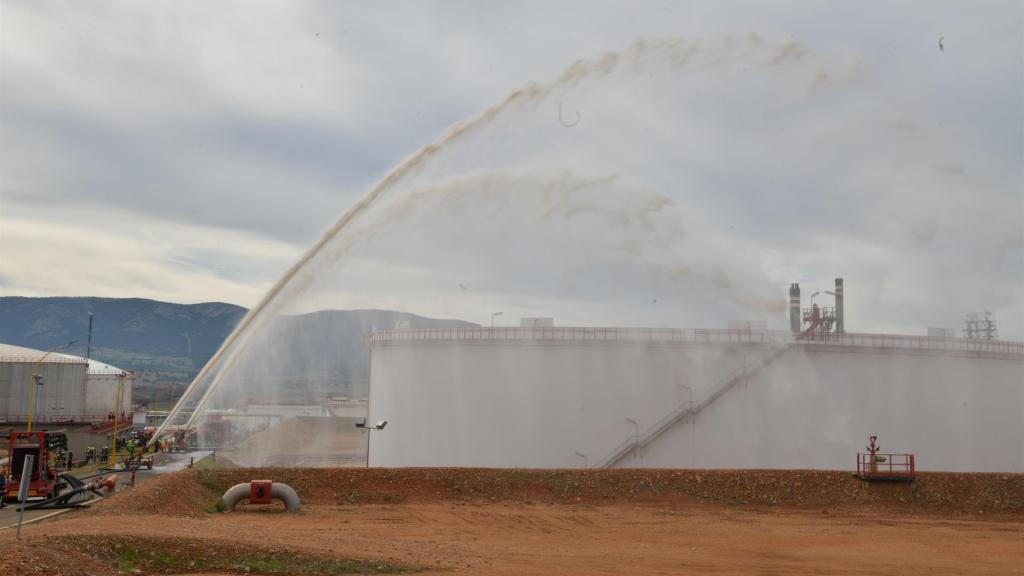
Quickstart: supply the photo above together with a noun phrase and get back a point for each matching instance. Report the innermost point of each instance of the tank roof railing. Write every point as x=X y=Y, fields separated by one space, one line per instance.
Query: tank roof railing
x=698 y=335
x=52 y=359
x=111 y=372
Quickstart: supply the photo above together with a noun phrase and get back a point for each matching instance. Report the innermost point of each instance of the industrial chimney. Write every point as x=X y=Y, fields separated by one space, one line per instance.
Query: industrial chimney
x=794 y=307
x=839 y=306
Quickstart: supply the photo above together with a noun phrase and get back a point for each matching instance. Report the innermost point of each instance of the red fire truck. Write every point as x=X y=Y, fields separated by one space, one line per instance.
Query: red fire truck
x=46 y=481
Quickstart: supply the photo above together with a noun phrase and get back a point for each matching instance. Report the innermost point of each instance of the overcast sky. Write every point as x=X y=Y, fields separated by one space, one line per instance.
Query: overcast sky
x=192 y=151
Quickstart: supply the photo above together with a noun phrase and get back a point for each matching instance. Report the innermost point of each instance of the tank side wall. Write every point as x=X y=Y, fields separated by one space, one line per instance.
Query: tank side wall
x=537 y=404
x=816 y=410
x=60 y=396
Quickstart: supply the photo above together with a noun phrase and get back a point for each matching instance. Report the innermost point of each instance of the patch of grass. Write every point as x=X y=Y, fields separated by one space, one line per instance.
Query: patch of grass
x=205 y=463
x=217 y=507
x=177 y=556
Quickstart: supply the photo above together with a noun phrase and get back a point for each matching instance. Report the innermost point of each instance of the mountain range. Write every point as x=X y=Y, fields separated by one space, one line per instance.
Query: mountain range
x=167 y=342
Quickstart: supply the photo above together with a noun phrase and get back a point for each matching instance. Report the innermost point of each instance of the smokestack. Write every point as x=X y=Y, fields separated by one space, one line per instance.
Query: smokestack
x=839 y=306
x=794 y=307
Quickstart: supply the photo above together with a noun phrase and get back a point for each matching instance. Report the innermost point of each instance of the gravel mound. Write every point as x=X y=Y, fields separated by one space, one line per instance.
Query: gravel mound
x=176 y=494
x=940 y=492
x=39 y=555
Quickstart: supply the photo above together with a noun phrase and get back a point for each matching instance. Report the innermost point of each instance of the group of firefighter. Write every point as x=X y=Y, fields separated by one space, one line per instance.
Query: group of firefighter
x=65 y=458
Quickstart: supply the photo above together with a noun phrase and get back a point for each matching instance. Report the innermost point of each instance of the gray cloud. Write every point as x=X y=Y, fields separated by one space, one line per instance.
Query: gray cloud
x=268 y=121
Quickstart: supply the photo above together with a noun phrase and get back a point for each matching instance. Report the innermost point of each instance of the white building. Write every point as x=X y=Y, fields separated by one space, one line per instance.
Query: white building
x=74 y=389
x=568 y=397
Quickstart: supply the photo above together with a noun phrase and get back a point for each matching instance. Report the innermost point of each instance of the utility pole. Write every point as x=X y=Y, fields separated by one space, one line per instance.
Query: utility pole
x=117 y=416
x=88 y=342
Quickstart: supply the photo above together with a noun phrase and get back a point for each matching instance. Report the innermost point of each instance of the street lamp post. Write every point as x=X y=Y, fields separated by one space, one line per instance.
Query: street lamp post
x=493 y=316
x=37 y=380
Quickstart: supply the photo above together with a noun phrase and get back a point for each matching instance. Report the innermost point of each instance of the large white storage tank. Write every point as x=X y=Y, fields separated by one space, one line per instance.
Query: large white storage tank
x=74 y=389
x=569 y=397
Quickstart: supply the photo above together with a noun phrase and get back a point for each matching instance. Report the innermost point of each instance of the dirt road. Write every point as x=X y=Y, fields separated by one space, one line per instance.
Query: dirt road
x=518 y=536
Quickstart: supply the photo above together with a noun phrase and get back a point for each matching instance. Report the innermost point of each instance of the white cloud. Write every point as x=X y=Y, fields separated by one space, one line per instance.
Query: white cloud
x=107 y=253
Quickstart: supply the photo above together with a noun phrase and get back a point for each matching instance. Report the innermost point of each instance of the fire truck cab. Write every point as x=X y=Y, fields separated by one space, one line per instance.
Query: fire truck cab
x=46 y=481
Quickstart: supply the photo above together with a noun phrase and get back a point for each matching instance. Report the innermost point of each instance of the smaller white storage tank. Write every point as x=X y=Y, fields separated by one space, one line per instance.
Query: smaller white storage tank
x=74 y=389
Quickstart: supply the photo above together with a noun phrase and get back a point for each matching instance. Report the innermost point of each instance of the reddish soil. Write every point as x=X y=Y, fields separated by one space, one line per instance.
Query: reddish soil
x=564 y=522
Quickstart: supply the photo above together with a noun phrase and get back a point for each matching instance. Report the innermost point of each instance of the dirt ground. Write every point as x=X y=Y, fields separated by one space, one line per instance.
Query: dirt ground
x=557 y=522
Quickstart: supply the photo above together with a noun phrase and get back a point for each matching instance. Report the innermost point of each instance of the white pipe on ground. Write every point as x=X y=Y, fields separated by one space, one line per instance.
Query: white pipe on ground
x=282 y=492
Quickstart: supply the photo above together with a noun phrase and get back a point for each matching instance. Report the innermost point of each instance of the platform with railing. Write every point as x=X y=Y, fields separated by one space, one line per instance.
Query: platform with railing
x=891 y=467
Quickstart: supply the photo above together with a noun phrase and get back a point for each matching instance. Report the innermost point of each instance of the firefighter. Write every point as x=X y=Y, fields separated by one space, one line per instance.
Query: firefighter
x=105 y=454
x=90 y=455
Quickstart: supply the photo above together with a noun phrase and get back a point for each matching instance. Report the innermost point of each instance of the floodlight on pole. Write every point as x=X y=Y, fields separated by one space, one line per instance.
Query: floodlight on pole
x=812 y=298
x=493 y=316
x=379 y=426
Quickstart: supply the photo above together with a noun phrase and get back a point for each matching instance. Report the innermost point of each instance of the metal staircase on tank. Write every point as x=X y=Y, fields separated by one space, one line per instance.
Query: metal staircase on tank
x=742 y=374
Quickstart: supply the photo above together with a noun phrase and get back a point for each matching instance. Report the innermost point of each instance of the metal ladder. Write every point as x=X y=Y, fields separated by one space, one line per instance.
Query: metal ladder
x=742 y=374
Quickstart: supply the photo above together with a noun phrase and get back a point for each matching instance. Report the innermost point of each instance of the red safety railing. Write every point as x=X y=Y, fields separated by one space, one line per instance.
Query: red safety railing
x=885 y=466
x=109 y=425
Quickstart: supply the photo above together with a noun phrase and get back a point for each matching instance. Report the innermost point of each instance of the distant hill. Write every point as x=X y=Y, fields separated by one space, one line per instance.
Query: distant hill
x=310 y=356
x=153 y=337
x=132 y=333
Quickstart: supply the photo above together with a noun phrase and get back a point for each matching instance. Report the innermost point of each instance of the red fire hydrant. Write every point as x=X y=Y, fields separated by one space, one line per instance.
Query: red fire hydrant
x=260 y=491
